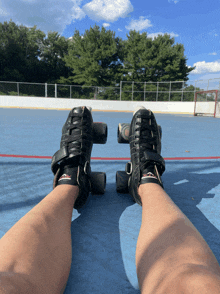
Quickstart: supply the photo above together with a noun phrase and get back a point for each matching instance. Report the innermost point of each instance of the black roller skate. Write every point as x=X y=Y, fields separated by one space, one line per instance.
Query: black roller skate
x=147 y=165
x=71 y=164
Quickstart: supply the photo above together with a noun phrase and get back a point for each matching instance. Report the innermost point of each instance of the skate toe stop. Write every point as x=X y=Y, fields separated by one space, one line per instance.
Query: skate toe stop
x=137 y=108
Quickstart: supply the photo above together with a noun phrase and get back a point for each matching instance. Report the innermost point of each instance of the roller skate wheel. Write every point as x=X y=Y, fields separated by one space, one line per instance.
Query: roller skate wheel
x=98 y=182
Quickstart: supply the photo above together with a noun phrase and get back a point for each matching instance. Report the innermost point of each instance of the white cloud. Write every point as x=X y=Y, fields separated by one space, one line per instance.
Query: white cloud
x=155 y=35
x=174 y=1
x=213 y=33
x=173 y=35
x=50 y=15
x=106 y=25
x=139 y=24
x=108 y=10
x=55 y=15
x=3 y=12
x=205 y=67
x=120 y=30
x=214 y=53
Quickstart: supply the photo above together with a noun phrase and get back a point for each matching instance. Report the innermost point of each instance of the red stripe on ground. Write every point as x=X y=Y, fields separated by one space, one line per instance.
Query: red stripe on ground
x=109 y=158
x=25 y=156
x=192 y=158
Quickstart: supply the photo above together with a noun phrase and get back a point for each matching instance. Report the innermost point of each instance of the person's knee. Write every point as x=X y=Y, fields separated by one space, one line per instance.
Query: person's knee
x=197 y=279
x=201 y=279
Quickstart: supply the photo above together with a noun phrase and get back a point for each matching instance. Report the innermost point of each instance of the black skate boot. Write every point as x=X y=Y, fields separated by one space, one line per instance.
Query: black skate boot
x=146 y=164
x=71 y=164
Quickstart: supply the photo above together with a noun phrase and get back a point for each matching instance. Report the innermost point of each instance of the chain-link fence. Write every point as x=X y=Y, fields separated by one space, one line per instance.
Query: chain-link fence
x=59 y=91
x=165 y=91
x=130 y=91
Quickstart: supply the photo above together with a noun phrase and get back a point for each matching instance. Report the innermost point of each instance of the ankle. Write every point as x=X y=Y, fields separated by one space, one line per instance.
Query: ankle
x=69 y=190
x=148 y=189
x=66 y=194
x=150 y=174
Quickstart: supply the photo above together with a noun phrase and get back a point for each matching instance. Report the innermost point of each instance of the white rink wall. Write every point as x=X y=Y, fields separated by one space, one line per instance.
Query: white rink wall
x=102 y=105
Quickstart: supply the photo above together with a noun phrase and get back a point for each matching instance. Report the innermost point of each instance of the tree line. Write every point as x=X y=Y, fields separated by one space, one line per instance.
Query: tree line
x=96 y=58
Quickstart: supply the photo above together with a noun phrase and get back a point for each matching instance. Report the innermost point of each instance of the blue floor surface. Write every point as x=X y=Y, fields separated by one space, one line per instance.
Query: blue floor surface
x=105 y=231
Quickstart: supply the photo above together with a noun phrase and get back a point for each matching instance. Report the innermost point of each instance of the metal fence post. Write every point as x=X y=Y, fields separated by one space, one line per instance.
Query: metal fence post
x=70 y=92
x=45 y=89
x=169 y=90
x=95 y=94
x=195 y=91
x=132 y=90
x=18 y=88
x=157 y=92
x=182 y=92
x=120 y=89
x=55 y=90
x=144 y=89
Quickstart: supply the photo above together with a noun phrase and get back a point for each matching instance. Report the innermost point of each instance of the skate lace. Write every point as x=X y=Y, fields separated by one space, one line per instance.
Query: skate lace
x=79 y=133
x=147 y=138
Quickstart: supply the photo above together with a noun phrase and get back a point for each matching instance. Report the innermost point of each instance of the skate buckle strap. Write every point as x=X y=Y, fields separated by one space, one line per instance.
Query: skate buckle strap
x=151 y=157
x=63 y=154
x=155 y=158
x=57 y=157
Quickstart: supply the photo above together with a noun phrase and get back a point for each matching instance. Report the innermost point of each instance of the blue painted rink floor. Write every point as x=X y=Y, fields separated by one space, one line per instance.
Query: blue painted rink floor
x=104 y=233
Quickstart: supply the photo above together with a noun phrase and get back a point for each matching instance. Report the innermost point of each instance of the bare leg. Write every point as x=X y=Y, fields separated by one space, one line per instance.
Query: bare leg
x=172 y=256
x=36 y=252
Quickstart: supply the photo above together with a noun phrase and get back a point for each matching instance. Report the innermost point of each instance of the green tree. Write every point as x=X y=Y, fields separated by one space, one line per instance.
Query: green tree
x=155 y=60
x=28 y=55
x=52 y=52
x=94 y=58
x=189 y=92
x=134 y=48
x=19 y=52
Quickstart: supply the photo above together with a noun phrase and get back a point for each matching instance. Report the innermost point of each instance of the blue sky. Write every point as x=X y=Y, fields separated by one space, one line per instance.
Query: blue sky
x=195 y=24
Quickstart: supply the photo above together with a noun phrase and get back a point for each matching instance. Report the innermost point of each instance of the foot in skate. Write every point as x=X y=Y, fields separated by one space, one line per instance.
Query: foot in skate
x=71 y=164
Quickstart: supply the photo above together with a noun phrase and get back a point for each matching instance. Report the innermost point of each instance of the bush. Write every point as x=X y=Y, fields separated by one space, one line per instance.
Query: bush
x=13 y=93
